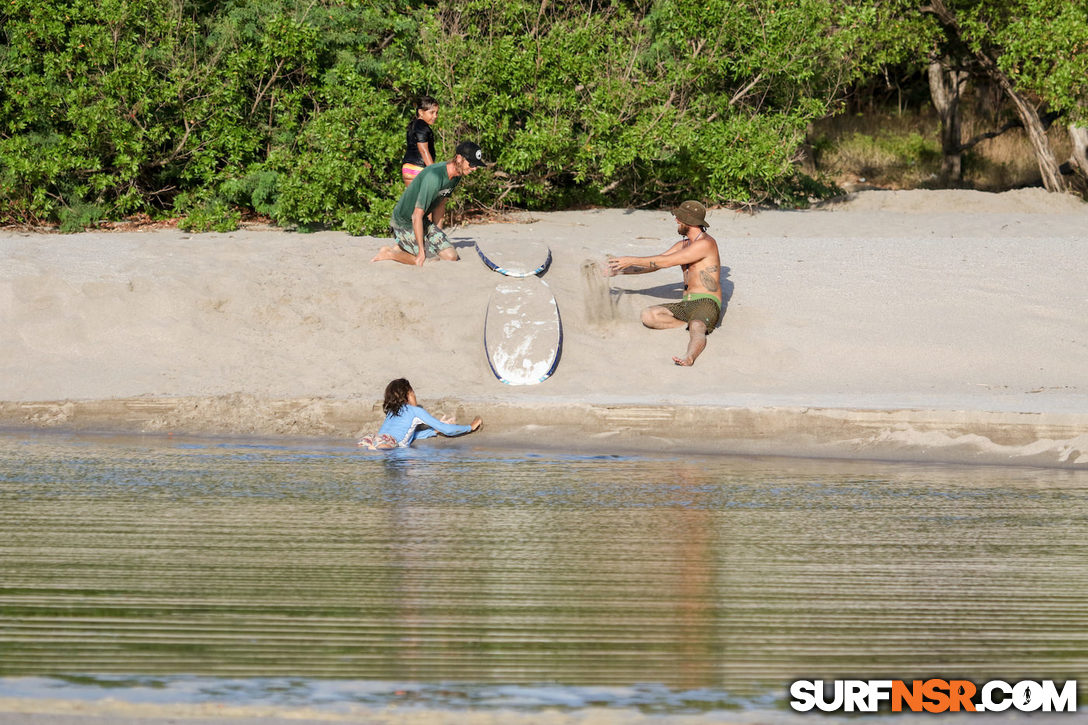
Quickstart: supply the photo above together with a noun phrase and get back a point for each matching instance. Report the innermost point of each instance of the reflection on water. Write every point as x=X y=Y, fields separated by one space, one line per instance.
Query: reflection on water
x=265 y=570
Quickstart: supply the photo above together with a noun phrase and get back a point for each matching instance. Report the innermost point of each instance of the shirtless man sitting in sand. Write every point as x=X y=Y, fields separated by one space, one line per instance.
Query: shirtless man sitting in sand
x=697 y=255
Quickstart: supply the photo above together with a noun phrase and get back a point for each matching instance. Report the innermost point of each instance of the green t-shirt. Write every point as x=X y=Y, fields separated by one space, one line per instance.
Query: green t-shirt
x=426 y=189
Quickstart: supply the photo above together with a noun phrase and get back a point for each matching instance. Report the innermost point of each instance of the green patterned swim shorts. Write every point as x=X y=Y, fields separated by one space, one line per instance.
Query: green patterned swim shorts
x=697 y=307
x=434 y=239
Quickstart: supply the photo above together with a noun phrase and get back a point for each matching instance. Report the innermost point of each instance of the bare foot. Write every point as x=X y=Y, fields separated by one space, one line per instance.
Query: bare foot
x=384 y=253
x=684 y=363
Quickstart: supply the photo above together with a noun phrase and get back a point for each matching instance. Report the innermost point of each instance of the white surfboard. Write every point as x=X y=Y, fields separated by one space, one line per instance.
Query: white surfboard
x=523 y=335
x=516 y=258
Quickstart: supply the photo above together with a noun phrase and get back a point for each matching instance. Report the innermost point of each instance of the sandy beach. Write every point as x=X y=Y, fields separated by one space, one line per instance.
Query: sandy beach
x=914 y=325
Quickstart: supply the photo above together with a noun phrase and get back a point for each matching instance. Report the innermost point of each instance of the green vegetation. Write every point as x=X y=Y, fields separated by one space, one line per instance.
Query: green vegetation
x=900 y=149
x=296 y=111
x=885 y=157
x=170 y=107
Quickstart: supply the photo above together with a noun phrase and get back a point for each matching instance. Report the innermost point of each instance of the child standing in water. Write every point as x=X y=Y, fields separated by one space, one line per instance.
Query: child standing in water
x=419 y=144
x=405 y=421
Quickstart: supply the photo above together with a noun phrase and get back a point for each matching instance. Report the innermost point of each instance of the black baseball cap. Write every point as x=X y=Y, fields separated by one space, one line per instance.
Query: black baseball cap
x=471 y=153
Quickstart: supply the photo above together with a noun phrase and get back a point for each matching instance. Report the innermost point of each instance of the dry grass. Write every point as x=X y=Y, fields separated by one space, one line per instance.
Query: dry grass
x=902 y=151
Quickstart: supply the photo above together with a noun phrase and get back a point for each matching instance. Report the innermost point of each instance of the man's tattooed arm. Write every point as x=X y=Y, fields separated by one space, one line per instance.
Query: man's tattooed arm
x=641 y=268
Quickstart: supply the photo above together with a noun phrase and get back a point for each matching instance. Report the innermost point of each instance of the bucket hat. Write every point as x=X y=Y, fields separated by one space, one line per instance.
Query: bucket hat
x=691 y=213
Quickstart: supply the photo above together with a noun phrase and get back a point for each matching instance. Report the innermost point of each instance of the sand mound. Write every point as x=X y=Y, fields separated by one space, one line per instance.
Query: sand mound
x=921 y=201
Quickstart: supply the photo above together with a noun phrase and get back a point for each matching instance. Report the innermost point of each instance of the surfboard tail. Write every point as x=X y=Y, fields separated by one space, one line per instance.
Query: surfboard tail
x=523 y=332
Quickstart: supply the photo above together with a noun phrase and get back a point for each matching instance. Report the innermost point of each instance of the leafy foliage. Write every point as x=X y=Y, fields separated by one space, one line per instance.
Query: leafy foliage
x=1042 y=45
x=609 y=106
x=168 y=106
x=296 y=110
x=88 y=108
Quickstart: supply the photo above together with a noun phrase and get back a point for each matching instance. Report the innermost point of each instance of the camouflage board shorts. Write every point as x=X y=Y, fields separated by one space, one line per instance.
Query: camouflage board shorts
x=697 y=307
x=434 y=239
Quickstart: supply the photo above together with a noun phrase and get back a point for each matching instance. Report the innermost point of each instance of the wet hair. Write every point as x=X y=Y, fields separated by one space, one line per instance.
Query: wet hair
x=426 y=103
x=396 y=396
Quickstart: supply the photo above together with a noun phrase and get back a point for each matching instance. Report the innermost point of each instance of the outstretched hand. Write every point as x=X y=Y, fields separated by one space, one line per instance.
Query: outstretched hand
x=476 y=423
x=615 y=265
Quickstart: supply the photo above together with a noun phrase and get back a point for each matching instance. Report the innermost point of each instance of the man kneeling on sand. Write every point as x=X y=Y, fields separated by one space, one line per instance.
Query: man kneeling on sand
x=697 y=255
x=417 y=217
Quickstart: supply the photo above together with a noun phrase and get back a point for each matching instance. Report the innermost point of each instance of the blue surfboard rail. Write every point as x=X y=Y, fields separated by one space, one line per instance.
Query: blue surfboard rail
x=540 y=270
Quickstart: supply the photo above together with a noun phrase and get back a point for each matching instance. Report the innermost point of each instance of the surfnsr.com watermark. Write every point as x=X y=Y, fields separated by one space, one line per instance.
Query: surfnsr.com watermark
x=933 y=695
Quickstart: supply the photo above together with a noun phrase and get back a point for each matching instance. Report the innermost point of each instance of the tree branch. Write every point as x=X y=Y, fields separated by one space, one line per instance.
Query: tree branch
x=744 y=91
x=975 y=140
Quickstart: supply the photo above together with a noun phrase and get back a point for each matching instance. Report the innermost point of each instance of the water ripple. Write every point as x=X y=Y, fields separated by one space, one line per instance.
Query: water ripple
x=283 y=573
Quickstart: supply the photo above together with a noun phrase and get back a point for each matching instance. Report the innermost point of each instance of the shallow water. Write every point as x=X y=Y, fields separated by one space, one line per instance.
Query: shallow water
x=304 y=572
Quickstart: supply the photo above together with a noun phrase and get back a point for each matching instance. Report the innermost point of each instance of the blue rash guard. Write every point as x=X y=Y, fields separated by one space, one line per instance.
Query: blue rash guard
x=412 y=422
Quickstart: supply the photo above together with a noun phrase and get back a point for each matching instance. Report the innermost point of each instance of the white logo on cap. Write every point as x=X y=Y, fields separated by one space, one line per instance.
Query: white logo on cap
x=479 y=154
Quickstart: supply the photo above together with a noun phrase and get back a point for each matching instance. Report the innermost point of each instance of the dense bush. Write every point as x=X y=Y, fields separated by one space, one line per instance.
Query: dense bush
x=297 y=110
x=110 y=108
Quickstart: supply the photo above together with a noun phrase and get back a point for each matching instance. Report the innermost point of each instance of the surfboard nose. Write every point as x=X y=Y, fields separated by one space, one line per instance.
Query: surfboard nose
x=516 y=259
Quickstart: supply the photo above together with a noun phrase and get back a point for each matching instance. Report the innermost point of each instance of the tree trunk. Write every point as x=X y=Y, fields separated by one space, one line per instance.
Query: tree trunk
x=946 y=85
x=1029 y=117
x=1044 y=155
x=1079 y=160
